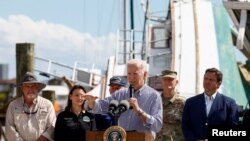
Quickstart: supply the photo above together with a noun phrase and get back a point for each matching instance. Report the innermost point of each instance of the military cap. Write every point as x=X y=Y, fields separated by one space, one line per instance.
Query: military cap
x=169 y=73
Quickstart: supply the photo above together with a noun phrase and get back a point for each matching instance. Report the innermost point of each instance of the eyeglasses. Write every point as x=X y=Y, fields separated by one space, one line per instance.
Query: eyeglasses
x=29 y=113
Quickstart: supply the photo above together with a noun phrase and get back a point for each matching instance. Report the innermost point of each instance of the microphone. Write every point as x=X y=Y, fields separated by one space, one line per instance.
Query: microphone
x=113 y=106
x=123 y=106
x=131 y=91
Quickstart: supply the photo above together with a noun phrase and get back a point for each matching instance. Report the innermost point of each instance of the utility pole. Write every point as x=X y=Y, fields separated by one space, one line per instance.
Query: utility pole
x=24 y=61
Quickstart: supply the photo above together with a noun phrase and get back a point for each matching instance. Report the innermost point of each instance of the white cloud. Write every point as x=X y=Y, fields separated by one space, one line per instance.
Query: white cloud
x=52 y=41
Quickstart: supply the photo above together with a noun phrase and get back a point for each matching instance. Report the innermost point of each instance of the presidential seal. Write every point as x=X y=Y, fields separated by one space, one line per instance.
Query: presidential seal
x=115 y=133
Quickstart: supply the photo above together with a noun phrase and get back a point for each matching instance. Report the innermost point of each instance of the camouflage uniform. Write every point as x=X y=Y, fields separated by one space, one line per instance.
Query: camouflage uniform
x=172 y=115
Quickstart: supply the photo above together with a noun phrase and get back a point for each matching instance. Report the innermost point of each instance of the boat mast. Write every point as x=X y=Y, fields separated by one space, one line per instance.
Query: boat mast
x=124 y=32
x=143 y=51
x=132 y=28
x=197 y=48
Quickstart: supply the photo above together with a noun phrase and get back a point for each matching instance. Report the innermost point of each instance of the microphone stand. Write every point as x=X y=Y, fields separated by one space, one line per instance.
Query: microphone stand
x=116 y=116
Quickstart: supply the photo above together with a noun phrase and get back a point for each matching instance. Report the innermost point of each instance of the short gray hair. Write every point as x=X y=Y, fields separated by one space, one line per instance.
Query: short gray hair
x=139 y=63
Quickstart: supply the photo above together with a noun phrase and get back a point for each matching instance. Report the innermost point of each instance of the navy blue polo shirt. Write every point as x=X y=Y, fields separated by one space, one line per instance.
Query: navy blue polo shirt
x=69 y=126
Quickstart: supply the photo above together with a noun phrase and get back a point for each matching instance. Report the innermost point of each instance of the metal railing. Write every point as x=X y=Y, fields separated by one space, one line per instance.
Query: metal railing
x=84 y=76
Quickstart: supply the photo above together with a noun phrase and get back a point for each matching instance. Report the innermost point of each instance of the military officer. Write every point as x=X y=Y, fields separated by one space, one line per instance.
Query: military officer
x=173 y=105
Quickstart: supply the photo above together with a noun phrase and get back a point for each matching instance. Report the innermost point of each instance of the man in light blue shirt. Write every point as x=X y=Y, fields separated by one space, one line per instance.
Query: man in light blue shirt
x=146 y=112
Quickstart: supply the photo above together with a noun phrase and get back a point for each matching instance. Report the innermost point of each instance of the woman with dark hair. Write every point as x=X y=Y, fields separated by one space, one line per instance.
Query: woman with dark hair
x=74 y=121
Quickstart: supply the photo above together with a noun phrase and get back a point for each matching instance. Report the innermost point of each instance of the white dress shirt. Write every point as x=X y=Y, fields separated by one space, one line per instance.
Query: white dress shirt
x=209 y=101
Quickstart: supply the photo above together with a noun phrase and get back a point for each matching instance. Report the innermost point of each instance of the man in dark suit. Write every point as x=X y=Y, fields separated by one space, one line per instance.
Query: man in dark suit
x=208 y=108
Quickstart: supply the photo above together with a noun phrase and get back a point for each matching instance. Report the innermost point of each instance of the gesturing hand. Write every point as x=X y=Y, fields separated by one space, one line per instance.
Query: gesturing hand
x=90 y=99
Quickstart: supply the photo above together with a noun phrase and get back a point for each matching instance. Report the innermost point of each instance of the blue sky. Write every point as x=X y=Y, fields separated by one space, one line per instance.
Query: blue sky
x=65 y=31
x=98 y=17
x=81 y=15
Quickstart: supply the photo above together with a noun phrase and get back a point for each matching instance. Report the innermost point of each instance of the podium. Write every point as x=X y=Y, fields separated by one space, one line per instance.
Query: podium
x=131 y=136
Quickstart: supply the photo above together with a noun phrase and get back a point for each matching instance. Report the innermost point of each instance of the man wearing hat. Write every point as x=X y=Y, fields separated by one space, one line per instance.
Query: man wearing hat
x=104 y=121
x=173 y=105
x=116 y=83
x=30 y=117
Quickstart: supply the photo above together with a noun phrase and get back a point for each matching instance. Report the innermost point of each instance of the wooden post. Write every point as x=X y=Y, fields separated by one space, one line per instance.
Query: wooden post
x=24 y=61
x=49 y=94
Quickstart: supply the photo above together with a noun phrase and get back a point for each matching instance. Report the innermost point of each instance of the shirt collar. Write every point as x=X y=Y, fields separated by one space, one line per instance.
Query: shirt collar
x=35 y=101
x=172 y=99
x=213 y=95
x=140 y=90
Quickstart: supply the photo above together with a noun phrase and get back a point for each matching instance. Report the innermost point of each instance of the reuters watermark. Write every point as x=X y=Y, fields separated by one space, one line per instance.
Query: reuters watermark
x=232 y=133
x=241 y=133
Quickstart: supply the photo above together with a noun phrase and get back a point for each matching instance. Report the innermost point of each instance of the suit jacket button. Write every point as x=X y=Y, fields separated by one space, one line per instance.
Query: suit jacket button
x=206 y=124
